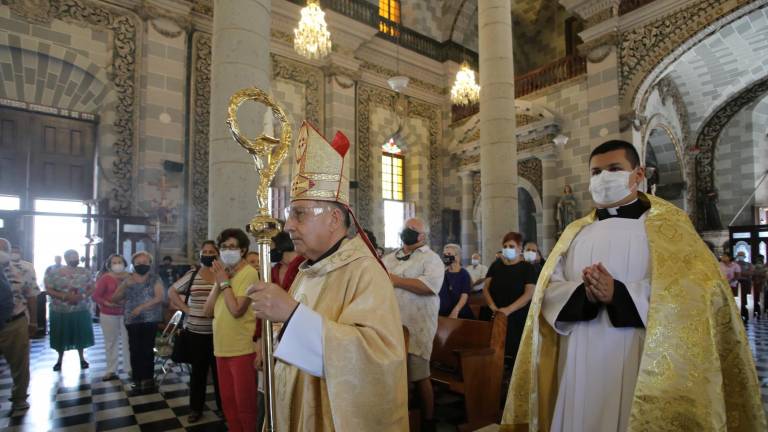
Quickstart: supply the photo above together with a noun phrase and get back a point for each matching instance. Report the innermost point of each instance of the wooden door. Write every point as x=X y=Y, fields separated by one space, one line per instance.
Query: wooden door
x=13 y=152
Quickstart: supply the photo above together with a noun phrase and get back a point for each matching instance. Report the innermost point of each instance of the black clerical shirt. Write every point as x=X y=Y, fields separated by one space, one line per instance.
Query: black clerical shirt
x=621 y=310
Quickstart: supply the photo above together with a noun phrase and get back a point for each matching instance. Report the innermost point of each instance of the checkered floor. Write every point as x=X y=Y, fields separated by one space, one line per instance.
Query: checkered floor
x=75 y=400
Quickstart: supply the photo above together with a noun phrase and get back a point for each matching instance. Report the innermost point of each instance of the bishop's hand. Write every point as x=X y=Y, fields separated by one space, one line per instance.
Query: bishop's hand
x=599 y=283
x=271 y=302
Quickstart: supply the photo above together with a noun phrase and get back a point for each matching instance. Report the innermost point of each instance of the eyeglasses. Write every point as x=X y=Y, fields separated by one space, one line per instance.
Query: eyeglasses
x=300 y=214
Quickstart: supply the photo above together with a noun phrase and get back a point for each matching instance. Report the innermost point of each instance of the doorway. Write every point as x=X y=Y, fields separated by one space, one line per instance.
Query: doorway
x=61 y=227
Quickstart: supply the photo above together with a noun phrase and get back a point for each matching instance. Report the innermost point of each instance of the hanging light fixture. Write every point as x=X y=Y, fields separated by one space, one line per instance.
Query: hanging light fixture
x=312 y=38
x=465 y=90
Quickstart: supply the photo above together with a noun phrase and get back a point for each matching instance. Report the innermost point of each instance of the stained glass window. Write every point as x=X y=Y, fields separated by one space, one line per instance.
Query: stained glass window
x=392 y=172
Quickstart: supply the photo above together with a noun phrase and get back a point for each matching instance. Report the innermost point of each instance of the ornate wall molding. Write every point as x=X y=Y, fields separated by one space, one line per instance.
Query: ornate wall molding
x=152 y=14
x=530 y=169
x=200 y=115
x=598 y=49
x=385 y=72
x=125 y=55
x=646 y=49
x=312 y=79
x=714 y=125
x=34 y=11
x=368 y=97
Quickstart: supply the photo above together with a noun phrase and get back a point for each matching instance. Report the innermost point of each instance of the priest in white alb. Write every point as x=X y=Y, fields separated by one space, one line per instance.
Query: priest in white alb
x=631 y=326
x=341 y=349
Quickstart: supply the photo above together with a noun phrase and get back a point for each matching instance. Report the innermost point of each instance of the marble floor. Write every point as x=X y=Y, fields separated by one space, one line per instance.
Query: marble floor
x=77 y=400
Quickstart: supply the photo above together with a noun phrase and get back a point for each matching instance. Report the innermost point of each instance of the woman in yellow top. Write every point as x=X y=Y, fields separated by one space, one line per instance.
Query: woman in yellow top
x=233 y=327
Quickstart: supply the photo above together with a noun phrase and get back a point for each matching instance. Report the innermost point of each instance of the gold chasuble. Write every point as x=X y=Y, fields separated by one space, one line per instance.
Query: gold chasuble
x=365 y=387
x=696 y=371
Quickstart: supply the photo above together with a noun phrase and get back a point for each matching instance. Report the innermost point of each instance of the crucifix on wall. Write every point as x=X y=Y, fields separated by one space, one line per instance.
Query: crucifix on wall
x=166 y=211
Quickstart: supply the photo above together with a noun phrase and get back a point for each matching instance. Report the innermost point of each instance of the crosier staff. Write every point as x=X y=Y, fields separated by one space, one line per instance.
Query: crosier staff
x=268 y=153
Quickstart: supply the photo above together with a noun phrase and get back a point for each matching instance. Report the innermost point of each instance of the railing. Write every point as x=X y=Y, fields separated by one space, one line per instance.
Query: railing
x=543 y=77
x=367 y=13
x=628 y=6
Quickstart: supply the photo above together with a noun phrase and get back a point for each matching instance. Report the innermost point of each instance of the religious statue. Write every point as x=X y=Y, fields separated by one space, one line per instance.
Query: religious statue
x=566 y=209
x=710 y=217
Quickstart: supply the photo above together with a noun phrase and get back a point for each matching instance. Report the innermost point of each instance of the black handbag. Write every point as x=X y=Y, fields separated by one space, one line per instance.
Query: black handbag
x=182 y=345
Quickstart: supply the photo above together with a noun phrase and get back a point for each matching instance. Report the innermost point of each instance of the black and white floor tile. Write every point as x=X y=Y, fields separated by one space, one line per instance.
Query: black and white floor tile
x=77 y=400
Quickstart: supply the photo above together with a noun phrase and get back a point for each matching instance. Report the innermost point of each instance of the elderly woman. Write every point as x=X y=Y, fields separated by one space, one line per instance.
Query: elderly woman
x=111 y=315
x=457 y=284
x=70 y=290
x=508 y=289
x=142 y=297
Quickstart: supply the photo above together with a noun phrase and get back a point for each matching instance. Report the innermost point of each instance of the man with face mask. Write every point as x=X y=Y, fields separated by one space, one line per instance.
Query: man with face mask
x=632 y=284
x=17 y=328
x=477 y=271
x=417 y=274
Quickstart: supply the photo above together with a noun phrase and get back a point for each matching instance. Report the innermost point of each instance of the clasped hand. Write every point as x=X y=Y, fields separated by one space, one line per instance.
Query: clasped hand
x=598 y=283
x=271 y=302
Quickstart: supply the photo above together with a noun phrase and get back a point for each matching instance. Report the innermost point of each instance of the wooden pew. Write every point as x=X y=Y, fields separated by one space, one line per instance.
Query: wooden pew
x=468 y=358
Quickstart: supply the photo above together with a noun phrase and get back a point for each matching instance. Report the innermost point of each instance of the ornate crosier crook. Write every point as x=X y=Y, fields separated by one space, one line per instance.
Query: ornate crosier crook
x=268 y=153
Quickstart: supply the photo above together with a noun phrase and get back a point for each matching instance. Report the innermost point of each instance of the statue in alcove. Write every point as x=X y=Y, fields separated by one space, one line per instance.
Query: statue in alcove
x=710 y=217
x=565 y=213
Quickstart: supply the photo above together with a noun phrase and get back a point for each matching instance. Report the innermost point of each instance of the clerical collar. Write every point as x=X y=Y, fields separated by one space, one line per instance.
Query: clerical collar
x=633 y=210
x=328 y=253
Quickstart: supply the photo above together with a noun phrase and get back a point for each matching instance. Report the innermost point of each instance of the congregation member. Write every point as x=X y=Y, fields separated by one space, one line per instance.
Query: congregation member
x=252 y=258
x=188 y=294
x=532 y=256
x=457 y=284
x=758 y=284
x=167 y=271
x=285 y=260
x=508 y=289
x=141 y=295
x=601 y=311
x=233 y=327
x=70 y=289
x=55 y=266
x=341 y=351
x=477 y=271
x=745 y=282
x=730 y=271
x=17 y=260
x=20 y=323
x=111 y=315
x=417 y=274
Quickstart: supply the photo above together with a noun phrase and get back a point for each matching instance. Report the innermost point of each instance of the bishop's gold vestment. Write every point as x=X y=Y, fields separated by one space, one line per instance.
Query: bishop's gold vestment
x=364 y=387
x=696 y=371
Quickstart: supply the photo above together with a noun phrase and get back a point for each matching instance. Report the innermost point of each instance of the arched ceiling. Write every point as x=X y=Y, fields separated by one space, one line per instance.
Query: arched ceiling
x=721 y=65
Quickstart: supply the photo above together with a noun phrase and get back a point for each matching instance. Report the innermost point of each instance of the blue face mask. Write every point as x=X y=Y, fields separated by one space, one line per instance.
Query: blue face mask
x=509 y=253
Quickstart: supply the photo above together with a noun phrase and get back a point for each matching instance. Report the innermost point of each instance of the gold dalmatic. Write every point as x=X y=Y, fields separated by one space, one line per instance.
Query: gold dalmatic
x=696 y=372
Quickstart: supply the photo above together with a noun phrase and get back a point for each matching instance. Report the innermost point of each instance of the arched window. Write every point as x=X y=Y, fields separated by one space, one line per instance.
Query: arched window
x=389 y=11
x=392 y=191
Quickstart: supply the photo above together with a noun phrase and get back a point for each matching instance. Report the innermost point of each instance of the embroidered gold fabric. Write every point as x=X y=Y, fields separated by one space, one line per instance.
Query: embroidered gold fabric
x=696 y=373
x=365 y=387
x=322 y=173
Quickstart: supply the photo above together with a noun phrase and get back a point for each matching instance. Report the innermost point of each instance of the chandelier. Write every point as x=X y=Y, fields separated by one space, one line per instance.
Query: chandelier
x=465 y=90
x=312 y=38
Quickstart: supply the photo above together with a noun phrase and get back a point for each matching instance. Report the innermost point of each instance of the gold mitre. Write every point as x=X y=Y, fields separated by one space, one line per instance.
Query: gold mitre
x=322 y=168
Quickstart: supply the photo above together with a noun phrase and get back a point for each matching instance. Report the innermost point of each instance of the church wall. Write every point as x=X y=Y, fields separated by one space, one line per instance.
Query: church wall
x=760 y=146
x=735 y=167
x=538 y=34
x=162 y=135
x=423 y=16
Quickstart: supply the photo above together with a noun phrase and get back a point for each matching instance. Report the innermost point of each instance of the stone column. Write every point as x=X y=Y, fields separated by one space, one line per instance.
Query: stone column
x=551 y=192
x=468 y=234
x=498 y=144
x=240 y=58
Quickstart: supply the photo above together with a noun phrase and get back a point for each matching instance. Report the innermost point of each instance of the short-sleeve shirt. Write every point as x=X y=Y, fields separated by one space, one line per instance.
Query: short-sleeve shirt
x=508 y=284
x=23 y=285
x=68 y=279
x=418 y=312
x=454 y=285
x=137 y=294
x=476 y=273
x=195 y=321
x=729 y=272
x=106 y=285
x=232 y=336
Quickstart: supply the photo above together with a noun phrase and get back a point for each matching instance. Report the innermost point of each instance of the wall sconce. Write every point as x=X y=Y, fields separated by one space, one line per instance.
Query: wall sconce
x=560 y=141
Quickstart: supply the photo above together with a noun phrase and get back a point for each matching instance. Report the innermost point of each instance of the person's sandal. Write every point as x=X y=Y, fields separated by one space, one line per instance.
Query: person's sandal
x=84 y=364
x=194 y=417
x=57 y=367
x=110 y=377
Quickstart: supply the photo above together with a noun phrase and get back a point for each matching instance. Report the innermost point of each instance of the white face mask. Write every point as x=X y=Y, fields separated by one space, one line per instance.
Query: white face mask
x=609 y=187
x=530 y=256
x=509 y=253
x=117 y=268
x=230 y=257
x=4 y=257
x=475 y=262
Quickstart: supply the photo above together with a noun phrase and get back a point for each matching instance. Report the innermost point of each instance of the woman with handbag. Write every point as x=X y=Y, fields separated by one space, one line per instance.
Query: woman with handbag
x=194 y=344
